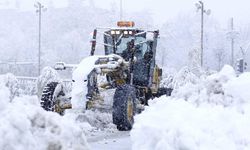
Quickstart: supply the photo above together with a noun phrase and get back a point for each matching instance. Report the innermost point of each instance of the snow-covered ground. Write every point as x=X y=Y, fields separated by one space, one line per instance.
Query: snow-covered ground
x=206 y=112
x=24 y=125
x=210 y=113
x=112 y=141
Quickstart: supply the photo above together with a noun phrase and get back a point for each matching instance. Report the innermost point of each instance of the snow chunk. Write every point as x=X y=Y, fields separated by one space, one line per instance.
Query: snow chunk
x=80 y=77
x=177 y=124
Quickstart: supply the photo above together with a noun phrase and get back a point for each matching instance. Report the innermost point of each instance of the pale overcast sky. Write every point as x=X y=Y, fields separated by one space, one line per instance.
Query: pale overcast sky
x=167 y=9
x=164 y=10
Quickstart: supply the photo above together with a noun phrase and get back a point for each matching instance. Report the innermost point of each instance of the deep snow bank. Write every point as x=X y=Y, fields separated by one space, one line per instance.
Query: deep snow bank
x=210 y=114
x=26 y=126
x=177 y=124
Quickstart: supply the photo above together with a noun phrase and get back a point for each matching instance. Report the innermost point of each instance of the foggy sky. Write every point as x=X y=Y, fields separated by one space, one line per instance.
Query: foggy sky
x=164 y=10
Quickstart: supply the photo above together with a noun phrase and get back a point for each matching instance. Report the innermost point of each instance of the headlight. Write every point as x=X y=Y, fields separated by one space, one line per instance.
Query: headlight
x=117 y=32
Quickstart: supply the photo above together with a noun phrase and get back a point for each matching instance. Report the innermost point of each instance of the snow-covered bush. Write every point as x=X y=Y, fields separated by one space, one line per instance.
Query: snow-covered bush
x=11 y=82
x=48 y=75
x=167 y=77
x=4 y=94
x=24 y=125
x=183 y=77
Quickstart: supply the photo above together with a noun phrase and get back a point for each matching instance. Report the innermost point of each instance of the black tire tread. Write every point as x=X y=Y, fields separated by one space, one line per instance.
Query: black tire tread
x=120 y=107
x=47 y=102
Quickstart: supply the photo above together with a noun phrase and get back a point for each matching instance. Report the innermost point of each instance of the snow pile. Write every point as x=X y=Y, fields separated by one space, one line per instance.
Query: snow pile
x=210 y=114
x=237 y=88
x=212 y=89
x=177 y=124
x=24 y=125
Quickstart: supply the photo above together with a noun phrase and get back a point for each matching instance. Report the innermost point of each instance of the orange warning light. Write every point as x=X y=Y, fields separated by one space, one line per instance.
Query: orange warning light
x=125 y=24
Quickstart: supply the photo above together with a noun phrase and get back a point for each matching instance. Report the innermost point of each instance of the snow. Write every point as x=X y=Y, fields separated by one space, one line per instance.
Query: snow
x=115 y=141
x=206 y=112
x=10 y=81
x=177 y=124
x=24 y=125
x=207 y=89
x=48 y=75
x=4 y=93
x=212 y=113
x=80 y=77
x=238 y=87
x=182 y=77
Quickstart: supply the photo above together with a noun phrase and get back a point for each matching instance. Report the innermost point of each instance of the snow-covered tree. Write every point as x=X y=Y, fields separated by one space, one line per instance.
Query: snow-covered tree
x=195 y=61
x=220 y=57
x=11 y=82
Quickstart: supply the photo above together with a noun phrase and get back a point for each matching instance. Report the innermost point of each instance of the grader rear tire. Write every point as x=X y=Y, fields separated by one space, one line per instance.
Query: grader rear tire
x=124 y=107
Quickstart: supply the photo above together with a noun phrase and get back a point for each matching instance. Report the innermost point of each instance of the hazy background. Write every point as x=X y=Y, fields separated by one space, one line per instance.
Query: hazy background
x=161 y=10
x=67 y=26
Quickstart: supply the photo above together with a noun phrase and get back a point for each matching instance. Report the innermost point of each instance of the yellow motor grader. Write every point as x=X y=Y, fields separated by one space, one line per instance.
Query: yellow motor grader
x=129 y=67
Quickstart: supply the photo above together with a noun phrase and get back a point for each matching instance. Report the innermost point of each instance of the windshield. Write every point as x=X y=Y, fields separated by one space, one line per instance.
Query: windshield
x=122 y=44
x=140 y=46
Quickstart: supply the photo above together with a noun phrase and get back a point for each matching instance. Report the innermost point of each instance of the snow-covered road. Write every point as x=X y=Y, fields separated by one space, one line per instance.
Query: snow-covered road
x=116 y=140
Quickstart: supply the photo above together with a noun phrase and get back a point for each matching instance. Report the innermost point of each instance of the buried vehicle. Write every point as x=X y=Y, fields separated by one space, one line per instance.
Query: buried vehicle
x=128 y=66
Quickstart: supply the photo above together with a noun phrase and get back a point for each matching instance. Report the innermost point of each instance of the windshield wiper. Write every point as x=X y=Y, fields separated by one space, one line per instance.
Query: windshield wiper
x=119 y=39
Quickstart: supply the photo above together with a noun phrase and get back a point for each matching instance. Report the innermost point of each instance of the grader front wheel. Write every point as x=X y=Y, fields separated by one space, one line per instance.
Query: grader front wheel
x=124 y=107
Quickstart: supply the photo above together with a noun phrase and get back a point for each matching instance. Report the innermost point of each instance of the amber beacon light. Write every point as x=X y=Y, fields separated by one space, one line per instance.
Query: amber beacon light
x=125 y=24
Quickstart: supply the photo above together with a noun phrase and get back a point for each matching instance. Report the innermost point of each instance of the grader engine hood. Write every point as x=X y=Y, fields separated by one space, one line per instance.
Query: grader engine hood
x=91 y=65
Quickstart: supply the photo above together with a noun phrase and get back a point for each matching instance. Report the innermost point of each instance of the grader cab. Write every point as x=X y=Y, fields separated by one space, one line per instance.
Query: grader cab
x=129 y=66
